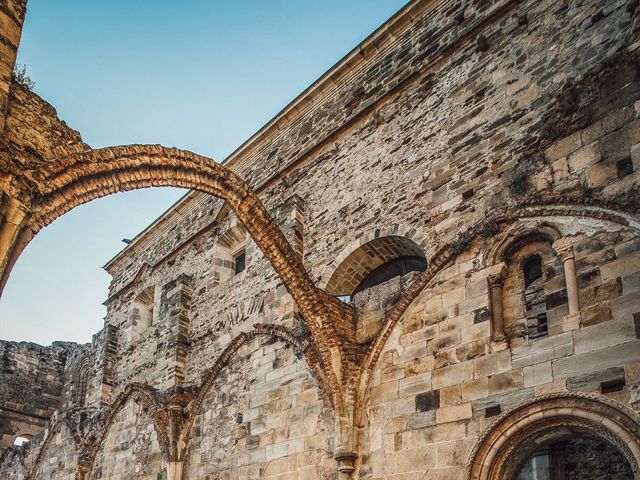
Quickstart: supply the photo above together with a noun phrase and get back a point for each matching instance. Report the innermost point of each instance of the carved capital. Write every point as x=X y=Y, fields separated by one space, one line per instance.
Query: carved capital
x=346 y=461
x=497 y=275
x=563 y=249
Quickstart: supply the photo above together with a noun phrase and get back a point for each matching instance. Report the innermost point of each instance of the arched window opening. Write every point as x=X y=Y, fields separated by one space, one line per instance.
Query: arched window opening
x=81 y=383
x=22 y=440
x=375 y=262
x=397 y=267
x=534 y=298
x=533 y=292
x=578 y=457
x=532 y=269
x=231 y=256
x=559 y=437
x=142 y=313
x=239 y=260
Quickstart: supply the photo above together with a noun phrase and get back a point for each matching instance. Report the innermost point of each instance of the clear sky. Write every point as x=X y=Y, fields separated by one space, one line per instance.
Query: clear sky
x=202 y=75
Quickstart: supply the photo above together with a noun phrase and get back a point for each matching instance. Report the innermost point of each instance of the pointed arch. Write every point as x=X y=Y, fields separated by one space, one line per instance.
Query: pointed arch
x=223 y=359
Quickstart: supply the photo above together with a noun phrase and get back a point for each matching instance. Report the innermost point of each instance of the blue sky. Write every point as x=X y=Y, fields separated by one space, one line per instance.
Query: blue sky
x=203 y=75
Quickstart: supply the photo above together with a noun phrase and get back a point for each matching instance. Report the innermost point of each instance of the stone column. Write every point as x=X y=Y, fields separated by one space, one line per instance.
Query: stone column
x=564 y=250
x=571 y=279
x=11 y=226
x=175 y=311
x=174 y=471
x=496 y=282
x=83 y=472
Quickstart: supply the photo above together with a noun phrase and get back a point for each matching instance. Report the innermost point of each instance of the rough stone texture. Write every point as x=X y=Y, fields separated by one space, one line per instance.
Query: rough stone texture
x=131 y=448
x=31 y=386
x=473 y=137
x=57 y=459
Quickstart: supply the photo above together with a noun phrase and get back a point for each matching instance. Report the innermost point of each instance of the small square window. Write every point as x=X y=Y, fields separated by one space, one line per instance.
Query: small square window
x=240 y=262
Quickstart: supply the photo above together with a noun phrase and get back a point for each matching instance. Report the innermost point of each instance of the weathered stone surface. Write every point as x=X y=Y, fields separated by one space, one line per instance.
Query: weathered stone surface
x=498 y=137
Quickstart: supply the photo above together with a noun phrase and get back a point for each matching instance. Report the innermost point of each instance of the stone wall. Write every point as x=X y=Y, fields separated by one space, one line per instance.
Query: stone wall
x=131 y=448
x=58 y=457
x=473 y=136
x=31 y=384
x=263 y=418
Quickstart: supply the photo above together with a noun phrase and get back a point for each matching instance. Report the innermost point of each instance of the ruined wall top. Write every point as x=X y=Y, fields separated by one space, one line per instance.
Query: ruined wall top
x=413 y=39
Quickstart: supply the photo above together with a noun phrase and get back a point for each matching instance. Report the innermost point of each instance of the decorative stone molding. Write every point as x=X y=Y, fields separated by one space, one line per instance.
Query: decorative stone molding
x=510 y=440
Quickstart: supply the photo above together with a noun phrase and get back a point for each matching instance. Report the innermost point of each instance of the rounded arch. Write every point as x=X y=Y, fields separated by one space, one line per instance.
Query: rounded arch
x=515 y=435
x=367 y=253
x=79 y=376
x=512 y=238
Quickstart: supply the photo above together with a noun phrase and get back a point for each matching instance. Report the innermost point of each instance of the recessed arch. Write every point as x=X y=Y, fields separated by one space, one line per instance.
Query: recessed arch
x=212 y=373
x=369 y=252
x=512 y=238
x=512 y=438
x=213 y=407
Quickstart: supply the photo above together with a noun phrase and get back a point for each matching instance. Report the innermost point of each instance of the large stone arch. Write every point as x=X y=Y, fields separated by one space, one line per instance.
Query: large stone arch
x=87 y=175
x=515 y=435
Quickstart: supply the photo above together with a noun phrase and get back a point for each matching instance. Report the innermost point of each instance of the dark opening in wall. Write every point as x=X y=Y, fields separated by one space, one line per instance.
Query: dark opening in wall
x=492 y=411
x=393 y=268
x=428 y=401
x=240 y=261
x=535 y=302
x=532 y=269
x=610 y=386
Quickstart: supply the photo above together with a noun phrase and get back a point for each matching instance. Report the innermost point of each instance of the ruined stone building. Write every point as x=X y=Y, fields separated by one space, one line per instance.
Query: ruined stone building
x=427 y=266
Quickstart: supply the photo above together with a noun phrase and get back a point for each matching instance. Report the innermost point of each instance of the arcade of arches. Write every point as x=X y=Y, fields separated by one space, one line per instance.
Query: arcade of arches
x=426 y=267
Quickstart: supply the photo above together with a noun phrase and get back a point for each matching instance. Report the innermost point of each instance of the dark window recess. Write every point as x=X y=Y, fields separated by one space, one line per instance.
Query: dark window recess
x=481 y=315
x=636 y=322
x=532 y=269
x=428 y=401
x=535 y=301
x=393 y=268
x=624 y=167
x=492 y=411
x=240 y=262
x=610 y=386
